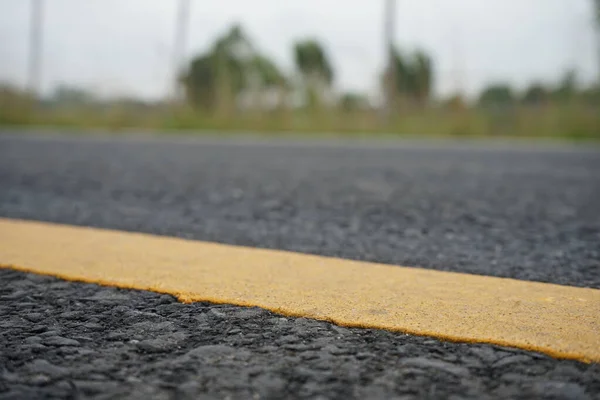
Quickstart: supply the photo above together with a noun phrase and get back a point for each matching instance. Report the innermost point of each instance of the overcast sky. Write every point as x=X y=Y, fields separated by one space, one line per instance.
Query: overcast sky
x=124 y=46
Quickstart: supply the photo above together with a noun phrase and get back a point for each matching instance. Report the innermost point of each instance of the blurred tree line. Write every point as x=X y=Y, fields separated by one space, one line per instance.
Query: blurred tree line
x=234 y=74
x=233 y=68
x=538 y=94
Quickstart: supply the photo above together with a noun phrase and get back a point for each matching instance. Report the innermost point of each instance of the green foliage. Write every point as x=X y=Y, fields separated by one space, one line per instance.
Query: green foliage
x=422 y=68
x=69 y=95
x=313 y=62
x=536 y=94
x=200 y=81
x=555 y=120
x=15 y=106
x=497 y=95
x=567 y=88
x=268 y=73
x=591 y=96
x=353 y=101
x=229 y=67
x=232 y=71
x=316 y=72
x=413 y=76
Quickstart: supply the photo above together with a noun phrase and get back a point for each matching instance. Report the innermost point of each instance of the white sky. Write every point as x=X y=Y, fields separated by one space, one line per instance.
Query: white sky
x=124 y=46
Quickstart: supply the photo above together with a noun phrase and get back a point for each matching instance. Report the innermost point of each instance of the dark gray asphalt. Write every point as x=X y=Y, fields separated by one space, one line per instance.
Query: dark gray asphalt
x=529 y=214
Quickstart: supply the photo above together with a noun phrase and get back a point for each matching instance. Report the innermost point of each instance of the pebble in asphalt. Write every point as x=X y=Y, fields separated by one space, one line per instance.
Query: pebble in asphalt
x=527 y=214
x=63 y=339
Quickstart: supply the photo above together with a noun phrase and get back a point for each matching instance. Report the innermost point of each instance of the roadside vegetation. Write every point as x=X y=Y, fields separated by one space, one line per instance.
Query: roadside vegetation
x=235 y=87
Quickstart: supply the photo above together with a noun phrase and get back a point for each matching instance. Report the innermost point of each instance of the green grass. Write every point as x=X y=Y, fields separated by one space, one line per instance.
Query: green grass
x=567 y=121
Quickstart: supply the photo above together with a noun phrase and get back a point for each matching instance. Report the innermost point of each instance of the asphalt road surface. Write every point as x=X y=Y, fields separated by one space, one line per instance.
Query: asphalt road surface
x=528 y=213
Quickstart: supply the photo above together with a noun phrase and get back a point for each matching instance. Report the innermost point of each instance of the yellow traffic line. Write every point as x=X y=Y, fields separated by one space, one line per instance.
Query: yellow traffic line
x=558 y=320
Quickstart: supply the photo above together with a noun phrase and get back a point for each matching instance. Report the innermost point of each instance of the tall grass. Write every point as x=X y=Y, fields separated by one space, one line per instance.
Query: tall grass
x=574 y=120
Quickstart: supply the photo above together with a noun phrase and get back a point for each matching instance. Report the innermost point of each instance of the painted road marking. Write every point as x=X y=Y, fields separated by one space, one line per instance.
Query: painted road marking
x=558 y=320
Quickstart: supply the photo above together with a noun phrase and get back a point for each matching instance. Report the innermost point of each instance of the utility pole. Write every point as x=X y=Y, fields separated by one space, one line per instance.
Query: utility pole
x=180 y=43
x=596 y=5
x=390 y=78
x=458 y=61
x=35 y=48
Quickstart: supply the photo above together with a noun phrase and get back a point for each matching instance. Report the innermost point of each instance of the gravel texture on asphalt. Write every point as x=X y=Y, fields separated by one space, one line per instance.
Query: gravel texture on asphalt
x=71 y=340
x=529 y=214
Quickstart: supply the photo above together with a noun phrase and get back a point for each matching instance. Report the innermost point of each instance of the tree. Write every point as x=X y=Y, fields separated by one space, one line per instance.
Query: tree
x=422 y=76
x=353 y=101
x=591 y=96
x=567 y=88
x=536 y=94
x=71 y=96
x=596 y=5
x=200 y=81
x=413 y=75
x=232 y=65
x=219 y=70
x=401 y=69
x=316 y=72
x=497 y=95
x=268 y=73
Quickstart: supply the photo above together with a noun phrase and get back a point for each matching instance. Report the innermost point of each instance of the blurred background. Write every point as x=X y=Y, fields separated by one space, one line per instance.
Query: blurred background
x=519 y=68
